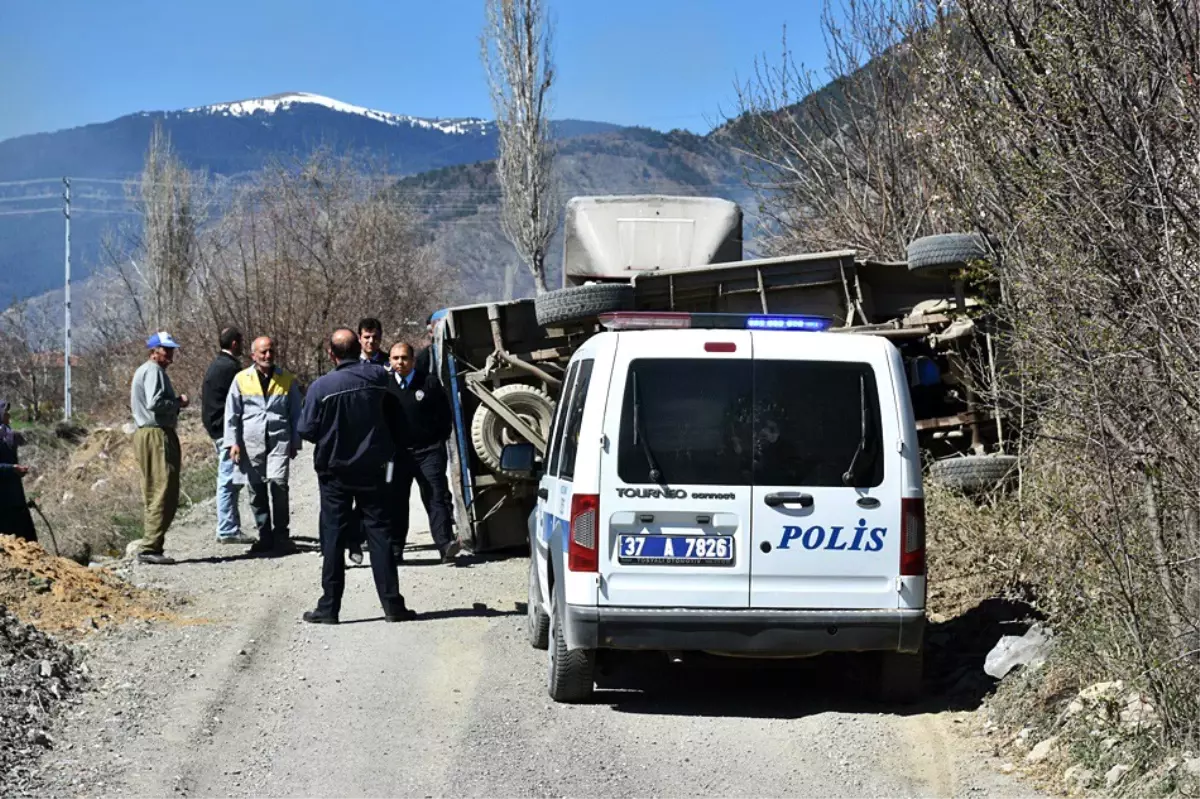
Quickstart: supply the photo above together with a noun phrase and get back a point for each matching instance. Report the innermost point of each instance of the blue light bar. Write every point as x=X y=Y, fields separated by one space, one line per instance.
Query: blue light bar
x=780 y=322
x=660 y=320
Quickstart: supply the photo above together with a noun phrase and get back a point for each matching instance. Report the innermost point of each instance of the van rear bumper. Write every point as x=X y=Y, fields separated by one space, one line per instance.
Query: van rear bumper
x=799 y=632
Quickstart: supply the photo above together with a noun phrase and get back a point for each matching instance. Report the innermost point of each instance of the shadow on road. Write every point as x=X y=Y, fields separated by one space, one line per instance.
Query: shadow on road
x=301 y=549
x=476 y=611
x=708 y=685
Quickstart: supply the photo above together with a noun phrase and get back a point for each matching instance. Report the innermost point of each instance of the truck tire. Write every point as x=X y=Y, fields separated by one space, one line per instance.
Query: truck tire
x=570 y=676
x=973 y=473
x=582 y=302
x=900 y=675
x=945 y=252
x=489 y=433
x=537 y=620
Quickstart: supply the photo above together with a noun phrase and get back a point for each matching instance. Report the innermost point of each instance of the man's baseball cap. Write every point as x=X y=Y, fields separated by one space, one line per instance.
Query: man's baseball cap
x=162 y=339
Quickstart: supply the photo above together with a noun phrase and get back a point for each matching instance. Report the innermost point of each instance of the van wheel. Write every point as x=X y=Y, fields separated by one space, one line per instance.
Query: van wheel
x=900 y=676
x=577 y=303
x=489 y=433
x=570 y=676
x=537 y=621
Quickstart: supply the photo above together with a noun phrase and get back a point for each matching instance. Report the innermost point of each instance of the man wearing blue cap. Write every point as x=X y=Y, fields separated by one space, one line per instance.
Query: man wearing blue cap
x=156 y=407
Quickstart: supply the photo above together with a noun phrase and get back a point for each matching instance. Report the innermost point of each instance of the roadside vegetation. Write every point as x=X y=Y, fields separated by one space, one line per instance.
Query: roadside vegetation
x=292 y=251
x=1065 y=132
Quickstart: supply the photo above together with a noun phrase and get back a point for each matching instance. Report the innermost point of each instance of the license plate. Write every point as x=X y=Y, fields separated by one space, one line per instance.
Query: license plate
x=675 y=550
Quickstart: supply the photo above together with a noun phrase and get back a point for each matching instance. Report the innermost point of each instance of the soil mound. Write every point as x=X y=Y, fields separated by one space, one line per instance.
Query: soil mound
x=56 y=594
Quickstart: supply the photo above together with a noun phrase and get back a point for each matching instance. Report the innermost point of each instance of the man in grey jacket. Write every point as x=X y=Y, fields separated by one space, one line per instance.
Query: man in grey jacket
x=262 y=414
x=155 y=407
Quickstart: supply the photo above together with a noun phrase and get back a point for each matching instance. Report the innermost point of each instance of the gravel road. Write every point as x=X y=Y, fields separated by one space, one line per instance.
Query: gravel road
x=243 y=699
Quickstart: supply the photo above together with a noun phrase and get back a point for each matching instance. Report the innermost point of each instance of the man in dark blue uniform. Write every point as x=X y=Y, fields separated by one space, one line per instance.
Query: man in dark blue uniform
x=353 y=417
x=427 y=412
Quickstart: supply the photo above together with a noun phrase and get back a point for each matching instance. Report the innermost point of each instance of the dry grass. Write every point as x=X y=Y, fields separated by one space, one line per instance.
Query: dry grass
x=90 y=492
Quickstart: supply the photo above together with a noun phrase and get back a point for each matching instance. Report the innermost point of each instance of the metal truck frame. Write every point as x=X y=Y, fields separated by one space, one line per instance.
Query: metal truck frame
x=483 y=351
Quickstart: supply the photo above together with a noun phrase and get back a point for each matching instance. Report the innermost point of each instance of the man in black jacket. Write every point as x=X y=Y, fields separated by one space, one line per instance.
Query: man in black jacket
x=353 y=417
x=217 y=381
x=427 y=411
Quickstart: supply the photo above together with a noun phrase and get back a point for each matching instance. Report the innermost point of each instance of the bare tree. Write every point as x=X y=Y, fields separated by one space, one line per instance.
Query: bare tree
x=517 y=57
x=312 y=244
x=1068 y=128
x=30 y=375
x=834 y=165
x=158 y=260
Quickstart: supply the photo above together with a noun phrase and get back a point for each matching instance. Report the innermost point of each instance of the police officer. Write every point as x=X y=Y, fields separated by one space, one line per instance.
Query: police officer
x=353 y=417
x=427 y=412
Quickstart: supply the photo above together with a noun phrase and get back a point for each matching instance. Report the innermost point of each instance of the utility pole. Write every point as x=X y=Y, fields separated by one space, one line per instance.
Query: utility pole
x=67 y=304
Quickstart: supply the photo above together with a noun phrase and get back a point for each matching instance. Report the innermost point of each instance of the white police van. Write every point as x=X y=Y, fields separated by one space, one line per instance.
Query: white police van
x=729 y=484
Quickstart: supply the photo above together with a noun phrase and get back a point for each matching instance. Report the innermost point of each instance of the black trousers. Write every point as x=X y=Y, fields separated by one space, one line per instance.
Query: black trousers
x=16 y=520
x=272 y=516
x=337 y=529
x=428 y=469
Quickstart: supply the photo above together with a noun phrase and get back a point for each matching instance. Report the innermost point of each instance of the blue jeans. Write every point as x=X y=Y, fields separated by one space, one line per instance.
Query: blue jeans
x=228 y=520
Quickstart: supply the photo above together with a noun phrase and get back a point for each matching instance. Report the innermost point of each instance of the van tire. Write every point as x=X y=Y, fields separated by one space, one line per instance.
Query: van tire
x=581 y=302
x=571 y=672
x=974 y=473
x=900 y=676
x=946 y=252
x=489 y=433
x=537 y=621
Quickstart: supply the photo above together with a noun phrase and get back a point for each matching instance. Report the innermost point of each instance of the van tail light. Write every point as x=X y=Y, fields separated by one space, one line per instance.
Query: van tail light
x=912 y=537
x=582 y=550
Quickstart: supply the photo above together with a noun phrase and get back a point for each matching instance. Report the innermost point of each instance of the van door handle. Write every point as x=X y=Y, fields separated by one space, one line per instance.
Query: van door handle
x=789 y=498
x=543 y=493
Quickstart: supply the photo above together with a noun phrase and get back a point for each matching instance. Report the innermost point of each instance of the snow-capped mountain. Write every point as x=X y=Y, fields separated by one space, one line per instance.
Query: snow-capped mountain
x=229 y=139
x=284 y=102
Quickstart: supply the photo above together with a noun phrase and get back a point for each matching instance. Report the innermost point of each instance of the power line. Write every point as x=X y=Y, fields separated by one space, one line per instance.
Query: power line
x=30 y=182
x=28 y=198
x=28 y=211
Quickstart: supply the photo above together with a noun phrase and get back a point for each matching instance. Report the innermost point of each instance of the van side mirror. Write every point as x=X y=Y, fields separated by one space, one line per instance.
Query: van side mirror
x=519 y=459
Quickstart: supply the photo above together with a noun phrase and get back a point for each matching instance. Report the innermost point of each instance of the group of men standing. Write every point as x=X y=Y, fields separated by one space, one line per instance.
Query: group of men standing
x=378 y=424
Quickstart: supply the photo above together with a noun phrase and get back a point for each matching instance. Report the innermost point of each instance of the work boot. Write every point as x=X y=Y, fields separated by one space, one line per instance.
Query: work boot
x=261 y=549
x=155 y=558
x=316 y=617
x=399 y=612
x=285 y=546
x=236 y=538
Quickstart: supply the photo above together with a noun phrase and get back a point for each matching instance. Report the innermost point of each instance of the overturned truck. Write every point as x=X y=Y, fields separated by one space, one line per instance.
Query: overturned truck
x=667 y=257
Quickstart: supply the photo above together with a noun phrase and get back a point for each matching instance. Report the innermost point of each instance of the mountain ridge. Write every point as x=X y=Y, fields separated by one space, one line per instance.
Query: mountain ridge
x=236 y=138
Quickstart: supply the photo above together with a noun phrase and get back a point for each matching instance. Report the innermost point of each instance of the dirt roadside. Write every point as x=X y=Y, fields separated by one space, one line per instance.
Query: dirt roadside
x=243 y=699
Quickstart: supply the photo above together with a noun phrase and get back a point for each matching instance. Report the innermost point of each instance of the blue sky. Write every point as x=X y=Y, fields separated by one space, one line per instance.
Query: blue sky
x=660 y=63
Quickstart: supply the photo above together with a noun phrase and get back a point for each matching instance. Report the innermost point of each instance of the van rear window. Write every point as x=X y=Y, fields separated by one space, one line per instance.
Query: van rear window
x=809 y=425
x=737 y=422
x=692 y=416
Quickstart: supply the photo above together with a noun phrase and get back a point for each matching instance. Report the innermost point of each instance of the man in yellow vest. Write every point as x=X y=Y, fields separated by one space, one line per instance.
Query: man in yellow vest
x=262 y=413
